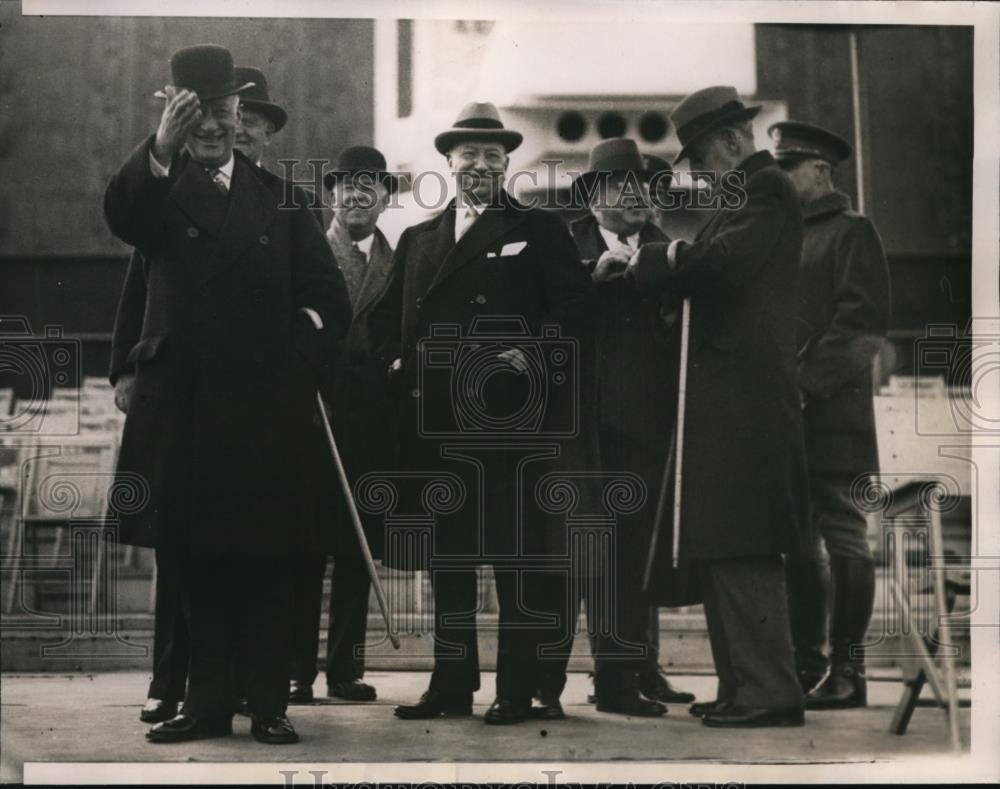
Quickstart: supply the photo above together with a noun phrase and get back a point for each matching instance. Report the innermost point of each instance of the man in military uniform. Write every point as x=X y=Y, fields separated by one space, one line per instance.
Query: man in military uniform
x=843 y=317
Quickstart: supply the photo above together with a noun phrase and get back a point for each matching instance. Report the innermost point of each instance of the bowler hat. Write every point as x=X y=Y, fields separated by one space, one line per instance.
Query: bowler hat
x=796 y=140
x=205 y=69
x=364 y=161
x=257 y=97
x=478 y=122
x=615 y=155
x=705 y=111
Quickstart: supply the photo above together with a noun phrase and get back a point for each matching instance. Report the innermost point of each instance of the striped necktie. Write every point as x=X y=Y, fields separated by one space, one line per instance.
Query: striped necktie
x=219 y=180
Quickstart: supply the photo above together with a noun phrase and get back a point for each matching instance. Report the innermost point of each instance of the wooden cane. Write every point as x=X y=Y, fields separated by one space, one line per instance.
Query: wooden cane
x=359 y=530
x=679 y=430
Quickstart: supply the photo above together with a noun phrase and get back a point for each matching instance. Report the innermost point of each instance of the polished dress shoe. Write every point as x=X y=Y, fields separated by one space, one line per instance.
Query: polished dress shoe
x=630 y=704
x=157 y=711
x=844 y=688
x=184 y=728
x=435 y=703
x=548 y=708
x=504 y=711
x=657 y=688
x=299 y=693
x=353 y=690
x=736 y=717
x=701 y=708
x=277 y=730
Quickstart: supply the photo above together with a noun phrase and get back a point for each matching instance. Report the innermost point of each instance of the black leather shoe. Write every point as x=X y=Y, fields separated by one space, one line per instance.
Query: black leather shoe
x=657 y=688
x=504 y=711
x=273 y=731
x=435 y=703
x=157 y=711
x=183 y=728
x=733 y=717
x=634 y=705
x=547 y=709
x=354 y=690
x=299 y=693
x=843 y=689
x=701 y=708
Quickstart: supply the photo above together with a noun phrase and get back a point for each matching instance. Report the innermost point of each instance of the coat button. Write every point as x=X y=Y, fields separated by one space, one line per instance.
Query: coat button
x=480 y=299
x=258 y=295
x=203 y=290
x=414 y=393
x=264 y=240
x=192 y=232
x=420 y=302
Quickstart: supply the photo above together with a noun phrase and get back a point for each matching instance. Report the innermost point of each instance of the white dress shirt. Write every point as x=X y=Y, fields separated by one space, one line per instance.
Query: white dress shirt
x=464 y=217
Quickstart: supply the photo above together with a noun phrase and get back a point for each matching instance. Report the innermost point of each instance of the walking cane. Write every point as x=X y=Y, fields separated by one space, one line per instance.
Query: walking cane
x=359 y=530
x=673 y=461
x=681 y=399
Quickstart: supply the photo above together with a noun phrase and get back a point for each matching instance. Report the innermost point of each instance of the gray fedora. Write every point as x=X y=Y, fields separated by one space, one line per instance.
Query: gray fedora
x=705 y=111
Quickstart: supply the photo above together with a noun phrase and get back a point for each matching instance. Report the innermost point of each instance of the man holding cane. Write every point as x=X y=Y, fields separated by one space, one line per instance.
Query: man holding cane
x=225 y=330
x=744 y=489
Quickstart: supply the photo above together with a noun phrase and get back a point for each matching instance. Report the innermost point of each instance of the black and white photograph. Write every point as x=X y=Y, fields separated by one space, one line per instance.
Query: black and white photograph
x=502 y=392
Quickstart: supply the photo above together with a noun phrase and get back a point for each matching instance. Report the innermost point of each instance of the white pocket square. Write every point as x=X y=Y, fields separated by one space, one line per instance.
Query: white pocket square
x=513 y=248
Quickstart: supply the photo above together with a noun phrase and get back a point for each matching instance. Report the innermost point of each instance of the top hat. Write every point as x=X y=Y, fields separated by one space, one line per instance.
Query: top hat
x=257 y=98
x=705 y=111
x=796 y=140
x=206 y=69
x=363 y=161
x=615 y=155
x=478 y=122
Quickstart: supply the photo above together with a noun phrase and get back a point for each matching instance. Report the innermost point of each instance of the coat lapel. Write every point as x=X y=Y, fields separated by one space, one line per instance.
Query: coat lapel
x=252 y=207
x=494 y=223
x=377 y=275
x=199 y=198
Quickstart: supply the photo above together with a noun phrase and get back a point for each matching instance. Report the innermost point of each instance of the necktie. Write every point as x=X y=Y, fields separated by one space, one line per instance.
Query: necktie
x=623 y=239
x=219 y=180
x=355 y=270
x=464 y=223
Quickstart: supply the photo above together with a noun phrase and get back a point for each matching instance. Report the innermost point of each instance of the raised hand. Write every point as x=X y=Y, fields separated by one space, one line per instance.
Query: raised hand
x=181 y=112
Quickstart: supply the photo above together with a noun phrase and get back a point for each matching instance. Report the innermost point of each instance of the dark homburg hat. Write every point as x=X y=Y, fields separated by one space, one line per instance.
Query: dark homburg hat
x=705 y=111
x=478 y=122
x=206 y=69
x=257 y=97
x=795 y=140
x=615 y=155
x=364 y=162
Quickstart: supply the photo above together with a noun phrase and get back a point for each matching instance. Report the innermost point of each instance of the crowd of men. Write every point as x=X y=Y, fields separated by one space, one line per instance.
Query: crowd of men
x=238 y=308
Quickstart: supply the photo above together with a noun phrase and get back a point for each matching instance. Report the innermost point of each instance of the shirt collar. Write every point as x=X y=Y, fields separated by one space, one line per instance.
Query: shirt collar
x=611 y=239
x=339 y=232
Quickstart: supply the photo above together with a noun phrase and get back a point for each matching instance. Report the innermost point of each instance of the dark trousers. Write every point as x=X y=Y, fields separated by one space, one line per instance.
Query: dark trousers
x=171 y=649
x=746 y=610
x=348 y=622
x=530 y=626
x=237 y=616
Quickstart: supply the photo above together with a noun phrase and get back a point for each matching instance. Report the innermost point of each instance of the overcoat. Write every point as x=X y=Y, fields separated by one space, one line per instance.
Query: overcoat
x=362 y=415
x=513 y=280
x=844 y=305
x=744 y=490
x=221 y=453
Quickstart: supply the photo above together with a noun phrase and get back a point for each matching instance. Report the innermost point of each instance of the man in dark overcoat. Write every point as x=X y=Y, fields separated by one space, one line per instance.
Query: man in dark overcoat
x=363 y=420
x=745 y=491
x=480 y=324
x=224 y=333
x=259 y=120
x=632 y=423
x=844 y=305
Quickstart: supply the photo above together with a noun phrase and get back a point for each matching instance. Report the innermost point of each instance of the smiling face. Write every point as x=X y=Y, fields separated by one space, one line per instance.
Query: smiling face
x=253 y=134
x=358 y=205
x=479 y=169
x=210 y=142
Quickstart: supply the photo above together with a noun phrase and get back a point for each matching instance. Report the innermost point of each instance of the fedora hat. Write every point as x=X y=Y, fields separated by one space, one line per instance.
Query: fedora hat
x=257 y=98
x=615 y=155
x=207 y=70
x=705 y=111
x=796 y=140
x=363 y=161
x=478 y=122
